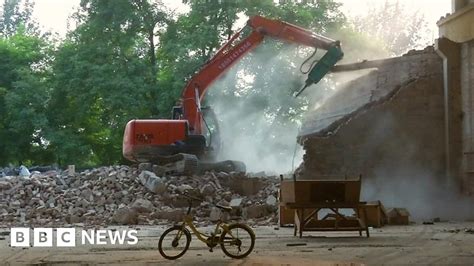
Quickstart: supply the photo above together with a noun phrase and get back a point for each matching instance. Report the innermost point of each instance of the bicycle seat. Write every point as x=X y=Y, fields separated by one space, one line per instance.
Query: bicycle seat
x=224 y=208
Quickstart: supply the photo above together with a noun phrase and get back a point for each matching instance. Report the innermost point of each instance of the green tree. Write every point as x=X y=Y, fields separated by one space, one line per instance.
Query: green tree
x=23 y=97
x=189 y=42
x=104 y=75
x=15 y=14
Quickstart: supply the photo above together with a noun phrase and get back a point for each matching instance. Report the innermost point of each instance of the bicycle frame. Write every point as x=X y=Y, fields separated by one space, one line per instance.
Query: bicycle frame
x=188 y=221
x=207 y=239
x=222 y=235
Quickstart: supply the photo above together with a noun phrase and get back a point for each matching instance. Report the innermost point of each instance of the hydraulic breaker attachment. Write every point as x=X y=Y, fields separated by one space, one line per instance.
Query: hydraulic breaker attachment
x=323 y=66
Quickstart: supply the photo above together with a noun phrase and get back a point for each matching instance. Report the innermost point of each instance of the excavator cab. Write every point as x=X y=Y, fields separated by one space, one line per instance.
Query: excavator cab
x=177 y=113
x=211 y=132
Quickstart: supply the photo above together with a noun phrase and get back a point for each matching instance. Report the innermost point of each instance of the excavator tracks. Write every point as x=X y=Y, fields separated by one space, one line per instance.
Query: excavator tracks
x=223 y=166
x=188 y=164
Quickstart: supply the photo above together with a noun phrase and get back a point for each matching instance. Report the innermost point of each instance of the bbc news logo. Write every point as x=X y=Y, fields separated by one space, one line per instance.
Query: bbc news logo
x=66 y=237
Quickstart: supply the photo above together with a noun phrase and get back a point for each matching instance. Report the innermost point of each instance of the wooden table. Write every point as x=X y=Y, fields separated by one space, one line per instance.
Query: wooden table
x=306 y=217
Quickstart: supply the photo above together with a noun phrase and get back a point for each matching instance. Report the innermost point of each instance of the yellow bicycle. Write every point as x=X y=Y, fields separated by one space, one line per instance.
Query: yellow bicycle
x=236 y=240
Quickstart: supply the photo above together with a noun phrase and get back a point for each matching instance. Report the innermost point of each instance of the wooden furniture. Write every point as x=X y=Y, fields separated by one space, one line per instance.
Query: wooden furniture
x=398 y=216
x=375 y=213
x=309 y=197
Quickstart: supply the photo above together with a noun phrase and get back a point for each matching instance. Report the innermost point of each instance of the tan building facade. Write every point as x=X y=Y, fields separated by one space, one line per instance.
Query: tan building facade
x=456 y=47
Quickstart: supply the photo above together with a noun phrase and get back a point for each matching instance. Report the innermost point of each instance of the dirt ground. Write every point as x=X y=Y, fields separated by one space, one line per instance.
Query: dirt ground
x=441 y=243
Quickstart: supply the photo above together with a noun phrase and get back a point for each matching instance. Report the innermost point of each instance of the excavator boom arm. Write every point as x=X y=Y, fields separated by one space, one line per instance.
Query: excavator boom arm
x=230 y=53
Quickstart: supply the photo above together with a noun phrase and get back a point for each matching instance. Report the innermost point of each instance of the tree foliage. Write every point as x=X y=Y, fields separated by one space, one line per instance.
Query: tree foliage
x=23 y=98
x=392 y=25
x=104 y=75
x=15 y=14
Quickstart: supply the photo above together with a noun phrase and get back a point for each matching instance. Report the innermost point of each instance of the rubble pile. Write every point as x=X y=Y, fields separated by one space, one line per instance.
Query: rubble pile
x=128 y=195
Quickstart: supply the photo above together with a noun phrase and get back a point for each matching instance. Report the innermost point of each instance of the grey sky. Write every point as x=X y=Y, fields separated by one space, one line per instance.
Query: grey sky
x=53 y=14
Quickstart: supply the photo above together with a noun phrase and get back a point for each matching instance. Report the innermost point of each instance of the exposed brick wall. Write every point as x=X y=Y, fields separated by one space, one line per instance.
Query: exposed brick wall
x=372 y=87
x=398 y=127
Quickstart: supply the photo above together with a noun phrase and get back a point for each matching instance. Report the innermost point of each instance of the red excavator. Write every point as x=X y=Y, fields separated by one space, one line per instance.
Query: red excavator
x=183 y=144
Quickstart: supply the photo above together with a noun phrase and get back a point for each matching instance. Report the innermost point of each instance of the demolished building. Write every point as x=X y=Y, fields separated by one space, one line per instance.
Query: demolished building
x=406 y=119
x=390 y=119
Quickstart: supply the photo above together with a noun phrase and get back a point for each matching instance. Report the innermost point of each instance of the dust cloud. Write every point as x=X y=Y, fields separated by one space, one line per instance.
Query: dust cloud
x=421 y=193
x=403 y=178
x=258 y=116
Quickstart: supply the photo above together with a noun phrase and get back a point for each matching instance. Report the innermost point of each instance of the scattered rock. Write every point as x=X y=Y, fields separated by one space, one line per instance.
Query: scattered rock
x=4 y=185
x=235 y=203
x=159 y=170
x=184 y=188
x=255 y=211
x=24 y=171
x=155 y=185
x=74 y=219
x=142 y=205
x=455 y=231
x=145 y=167
x=271 y=200
x=125 y=216
x=145 y=175
x=208 y=190
x=170 y=215
x=215 y=214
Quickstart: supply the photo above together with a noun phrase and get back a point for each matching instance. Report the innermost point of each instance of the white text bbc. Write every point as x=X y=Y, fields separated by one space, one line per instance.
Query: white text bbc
x=66 y=237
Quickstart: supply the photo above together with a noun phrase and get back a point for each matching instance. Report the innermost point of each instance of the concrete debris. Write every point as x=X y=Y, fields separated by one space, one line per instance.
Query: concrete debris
x=152 y=182
x=458 y=230
x=125 y=215
x=24 y=171
x=169 y=214
x=184 y=188
x=271 y=200
x=143 y=205
x=4 y=185
x=236 y=203
x=145 y=167
x=128 y=195
x=398 y=216
x=208 y=190
x=255 y=211
x=215 y=214
x=469 y=231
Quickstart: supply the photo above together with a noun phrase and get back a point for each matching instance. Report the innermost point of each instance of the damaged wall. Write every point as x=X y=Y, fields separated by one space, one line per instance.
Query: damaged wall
x=397 y=129
x=373 y=84
x=396 y=140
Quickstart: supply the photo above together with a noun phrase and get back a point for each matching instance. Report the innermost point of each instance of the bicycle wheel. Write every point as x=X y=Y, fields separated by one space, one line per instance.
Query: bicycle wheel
x=174 y=242
x=238 y=241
